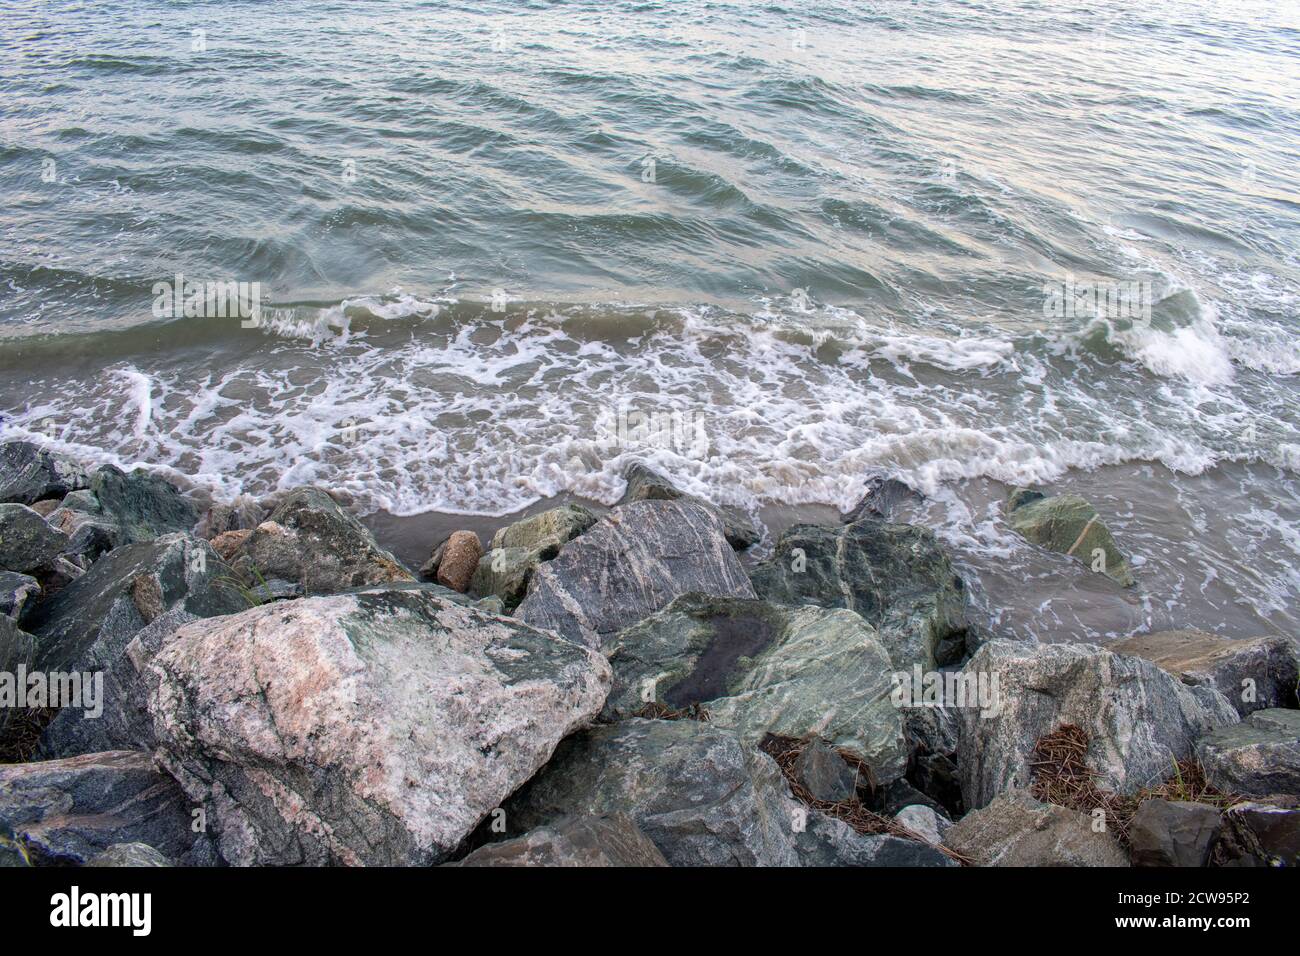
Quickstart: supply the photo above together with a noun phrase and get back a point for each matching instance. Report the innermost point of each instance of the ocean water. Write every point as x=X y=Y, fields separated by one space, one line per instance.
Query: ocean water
x=500 y=249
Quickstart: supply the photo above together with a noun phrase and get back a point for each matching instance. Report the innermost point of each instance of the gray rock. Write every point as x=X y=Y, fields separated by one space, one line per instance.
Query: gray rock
x=1138 y=718
x=629 y=564
x=825 y=841
x=1071 y=526
x=1173 y=833
x=504 y=573
x=29 y=473
x=924 y=821
x=310 y=540
x=895 y=576
x=1259 y=834
x=377 y=727
x=880 y=499
x=1253 y=674
x=142 y=505
x=545 y=532
x=644 y=484
x=1017 y=830
x=16 y=590
x=825 y=774
x=760 y=668
x=66 y=812
x=1257 y=757
x=17 y=649
x=27 y=542
x=612 y=840
x=90 y=533
x=110 y=602
x=130 y=855
x=693 y=789
x=243 y=514
x=125 y=723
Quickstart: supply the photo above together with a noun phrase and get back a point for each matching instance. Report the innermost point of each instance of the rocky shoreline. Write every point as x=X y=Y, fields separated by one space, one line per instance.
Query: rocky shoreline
x=262 y=683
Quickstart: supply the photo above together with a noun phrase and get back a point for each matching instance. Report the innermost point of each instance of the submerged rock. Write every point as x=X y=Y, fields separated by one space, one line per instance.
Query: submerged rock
x=880 y=499
x=1017 y=830
x=693 y=789
x=611 y=840
x=1173 y=833
x=310 y=540
x=458 y=560
x=1139 y=720
x=27 y=543
x=29 y=473
x=896 y=576
x=1257 y=757
x=629 y=564
x=377 y=727
x=1253 y=674
x=126 y=589
x=643 y=484
x=761 y=668
x=67 y=812
x=1068 y=524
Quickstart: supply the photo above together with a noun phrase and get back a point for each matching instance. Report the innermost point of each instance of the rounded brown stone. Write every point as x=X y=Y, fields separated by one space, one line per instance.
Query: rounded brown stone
x=459 y=559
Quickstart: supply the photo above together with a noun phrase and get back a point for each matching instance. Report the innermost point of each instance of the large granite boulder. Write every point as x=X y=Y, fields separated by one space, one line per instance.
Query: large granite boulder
x=1257 y=757
x=629 y=564
x=1139 y=720
x=29 y=473
x=311 y=540
x=643 y=484
x=611 y=840
x=697 y=792
x=124 y=591
x=1070 y=525
x=1254 y=674
x=760 y=668
x=66 y=812
x=27 y=543
x=1017 y=830
x=377 y=727
x=896 y=576
x=1173 y=833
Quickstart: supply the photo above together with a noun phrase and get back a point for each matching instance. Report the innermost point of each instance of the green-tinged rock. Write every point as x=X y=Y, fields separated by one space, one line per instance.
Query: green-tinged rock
x=144 y=506
x=1257 y=757
x=124 y=591
x=311 y=540
x=17 y=591
x=702 y=797
x=612 y=840
x=504 y=573
x=27 y=542
x=1068 y=524
x=760 y=668
x=546 y=531
x=896 y=576
x=29 y=473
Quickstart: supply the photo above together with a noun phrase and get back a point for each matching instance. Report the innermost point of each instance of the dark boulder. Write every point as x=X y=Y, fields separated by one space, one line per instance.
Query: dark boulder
x=1257 y=757
x=29 y=473
x=27 y=543
x=1173 y=833
x=610 y=840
